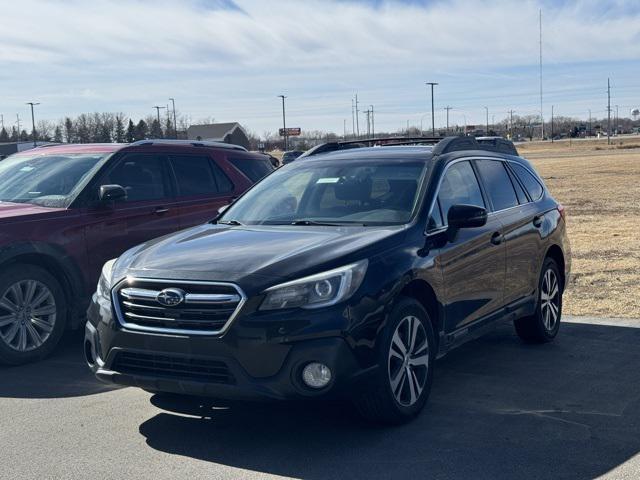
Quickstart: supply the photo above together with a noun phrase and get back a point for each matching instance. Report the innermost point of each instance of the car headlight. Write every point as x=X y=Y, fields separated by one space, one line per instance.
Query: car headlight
x=104 y=284
x=320 y=290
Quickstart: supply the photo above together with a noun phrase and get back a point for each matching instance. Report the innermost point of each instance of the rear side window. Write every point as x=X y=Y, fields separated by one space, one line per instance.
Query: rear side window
x=253 y=168
x=498 y=184
x=459 y=186
x=529 y=181
x=194 y=175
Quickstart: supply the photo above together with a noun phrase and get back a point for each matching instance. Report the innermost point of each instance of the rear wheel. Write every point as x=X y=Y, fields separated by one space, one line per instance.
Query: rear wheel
x=544 y=324
x=32 y=314
x=403 y=382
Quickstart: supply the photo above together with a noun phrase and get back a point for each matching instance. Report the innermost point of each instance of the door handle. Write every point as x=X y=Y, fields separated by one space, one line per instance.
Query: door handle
x=497 y=238
x=160 y=210
x=537 y=221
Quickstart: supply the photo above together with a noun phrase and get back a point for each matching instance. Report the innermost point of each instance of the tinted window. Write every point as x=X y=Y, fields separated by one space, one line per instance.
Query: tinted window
x=528 y=180
x=522 y=196
x=435 y=219
x=194 y=175
x=253 y=168
x=223 y=182
x=142 y=176
x=459 y=186
x=498 y=184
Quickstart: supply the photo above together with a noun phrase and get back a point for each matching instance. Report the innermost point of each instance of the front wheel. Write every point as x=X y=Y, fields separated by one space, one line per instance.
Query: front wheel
x=544 y=324
x=406 y=361
x=32 y=314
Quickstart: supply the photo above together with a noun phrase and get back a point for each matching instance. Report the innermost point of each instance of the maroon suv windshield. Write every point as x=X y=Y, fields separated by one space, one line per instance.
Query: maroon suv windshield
x=46 y=180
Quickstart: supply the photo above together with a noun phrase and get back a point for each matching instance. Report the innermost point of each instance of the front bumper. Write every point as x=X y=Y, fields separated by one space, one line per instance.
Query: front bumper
x=253 y=361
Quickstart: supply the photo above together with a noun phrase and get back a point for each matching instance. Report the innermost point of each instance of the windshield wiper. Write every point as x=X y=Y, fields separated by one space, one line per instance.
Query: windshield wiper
x=229 y=222
x=326 y=224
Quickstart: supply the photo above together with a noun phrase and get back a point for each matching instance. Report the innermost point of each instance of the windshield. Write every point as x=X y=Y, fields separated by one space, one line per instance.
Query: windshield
x=46 y=180
x=362 y=193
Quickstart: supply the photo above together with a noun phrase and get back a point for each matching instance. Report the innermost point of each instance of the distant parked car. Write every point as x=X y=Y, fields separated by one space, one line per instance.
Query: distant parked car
x=65 y=210
x=290 y=156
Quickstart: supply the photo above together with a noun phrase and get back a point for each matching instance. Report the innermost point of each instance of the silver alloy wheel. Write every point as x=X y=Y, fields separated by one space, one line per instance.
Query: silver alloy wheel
x=408 y=361
x=27 y=315
x=550 y=300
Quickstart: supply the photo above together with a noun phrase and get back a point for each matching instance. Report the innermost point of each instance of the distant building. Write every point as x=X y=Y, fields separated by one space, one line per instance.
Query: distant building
x=219 y=132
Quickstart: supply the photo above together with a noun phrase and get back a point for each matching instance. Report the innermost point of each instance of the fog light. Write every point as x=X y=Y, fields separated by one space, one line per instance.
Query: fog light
x=316 y=375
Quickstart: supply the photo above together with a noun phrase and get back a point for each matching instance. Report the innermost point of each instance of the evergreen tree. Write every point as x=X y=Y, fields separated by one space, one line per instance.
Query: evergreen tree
x=57 y=134
x=14 y=134
x=131 y=132
x=119 y=129
x=4 y=136
x=69 y=131
x=168 y=129
x=156 y=129
x=24 y=136
x=142 y=130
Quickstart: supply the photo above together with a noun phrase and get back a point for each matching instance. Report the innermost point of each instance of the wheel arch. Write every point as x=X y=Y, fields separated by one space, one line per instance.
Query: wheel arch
x=54 y=261
x=421 y=291
x=556 y=253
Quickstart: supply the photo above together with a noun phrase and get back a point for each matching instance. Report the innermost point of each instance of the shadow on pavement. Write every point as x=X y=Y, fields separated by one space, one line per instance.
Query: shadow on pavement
x=63 y=374
x=498 y=409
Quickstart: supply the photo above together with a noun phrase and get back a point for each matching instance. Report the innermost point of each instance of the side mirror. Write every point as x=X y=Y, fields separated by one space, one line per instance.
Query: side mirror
x=112 y=193
x=466 y=216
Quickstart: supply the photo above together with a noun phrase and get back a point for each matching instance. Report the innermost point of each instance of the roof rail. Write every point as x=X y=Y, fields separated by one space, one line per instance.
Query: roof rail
x=491 y=144
x=442 y=144
x=368 y=142
x=193 y=143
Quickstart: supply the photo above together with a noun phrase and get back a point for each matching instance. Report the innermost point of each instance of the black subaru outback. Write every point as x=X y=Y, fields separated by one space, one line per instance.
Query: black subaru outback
x=343 y=273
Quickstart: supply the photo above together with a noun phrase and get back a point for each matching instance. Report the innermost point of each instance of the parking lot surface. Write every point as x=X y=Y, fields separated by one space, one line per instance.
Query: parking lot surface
x=498 y=409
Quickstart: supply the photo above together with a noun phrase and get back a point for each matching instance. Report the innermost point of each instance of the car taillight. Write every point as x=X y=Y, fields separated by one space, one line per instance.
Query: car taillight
x=562 y=211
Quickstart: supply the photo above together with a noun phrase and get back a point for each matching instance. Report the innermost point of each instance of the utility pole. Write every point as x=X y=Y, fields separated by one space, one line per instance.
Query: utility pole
x=589 y=122
x=447 y=108
x=487 y=110
x=433 y=115
x=617 y=122
x=357 y=118
x=353 y=118
x=158 y=112
x=373 y=123
x=284 y=124
x=541 y=110
x=344 y=129
x=18 y=122
x=33 y=123
x=551 y=123
x=511 y=124
x=1 y=121
x=608 y=112
x=368 y=113
x=175 y=123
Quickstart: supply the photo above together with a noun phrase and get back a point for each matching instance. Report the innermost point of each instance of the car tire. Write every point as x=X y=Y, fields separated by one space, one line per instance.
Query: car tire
x=33 y=314
x=543 y=325
x=403 y=380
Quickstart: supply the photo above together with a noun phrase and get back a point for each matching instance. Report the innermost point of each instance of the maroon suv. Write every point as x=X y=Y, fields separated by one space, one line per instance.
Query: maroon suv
x=65 y=210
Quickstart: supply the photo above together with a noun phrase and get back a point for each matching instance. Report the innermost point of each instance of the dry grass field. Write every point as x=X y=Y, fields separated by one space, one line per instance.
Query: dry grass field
x=600 y=187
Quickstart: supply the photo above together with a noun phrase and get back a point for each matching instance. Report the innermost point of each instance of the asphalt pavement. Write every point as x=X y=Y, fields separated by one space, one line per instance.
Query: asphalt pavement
x=498 y=410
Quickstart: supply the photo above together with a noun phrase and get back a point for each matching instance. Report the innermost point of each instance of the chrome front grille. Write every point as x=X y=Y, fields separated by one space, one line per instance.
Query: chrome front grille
x=204 y=308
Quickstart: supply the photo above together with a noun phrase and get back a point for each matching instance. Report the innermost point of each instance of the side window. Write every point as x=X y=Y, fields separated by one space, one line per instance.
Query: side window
x=459 y=186
x=144 y=177
x=253 y=168
x=194 y=175
x=498 y=184
x=529 y=181
x=522 y=196
x=223 y=182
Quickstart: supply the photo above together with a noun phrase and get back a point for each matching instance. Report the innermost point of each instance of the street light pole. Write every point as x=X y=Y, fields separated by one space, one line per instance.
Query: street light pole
x=175 y=124
x=284 y=124
x=373 y=123
x=487 y=109
x=158 y=112
x=33 y=122
x=433 y=115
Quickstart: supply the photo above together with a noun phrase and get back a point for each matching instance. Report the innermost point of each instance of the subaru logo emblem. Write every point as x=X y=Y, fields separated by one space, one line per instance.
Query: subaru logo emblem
x=170 y=297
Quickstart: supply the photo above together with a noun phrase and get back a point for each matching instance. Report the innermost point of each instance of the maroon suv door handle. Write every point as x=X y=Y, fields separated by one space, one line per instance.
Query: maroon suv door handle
x=161 y=210
x=497 y=238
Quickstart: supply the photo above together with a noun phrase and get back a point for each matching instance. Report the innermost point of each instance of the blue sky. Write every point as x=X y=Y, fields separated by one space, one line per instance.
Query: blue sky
x=229 y=60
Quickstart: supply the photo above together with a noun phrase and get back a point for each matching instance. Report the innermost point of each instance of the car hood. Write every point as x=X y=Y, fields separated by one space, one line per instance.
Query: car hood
x=9 y=210
x=223 y=253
